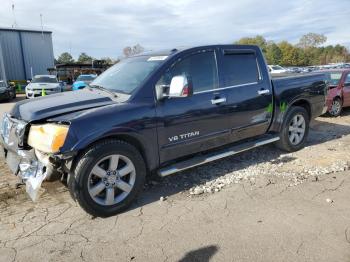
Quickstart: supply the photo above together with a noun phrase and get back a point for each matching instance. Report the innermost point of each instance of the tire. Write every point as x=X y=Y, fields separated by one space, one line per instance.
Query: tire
x=289 y=142
x=14 y=93
x=92 y=188
x=336 y=108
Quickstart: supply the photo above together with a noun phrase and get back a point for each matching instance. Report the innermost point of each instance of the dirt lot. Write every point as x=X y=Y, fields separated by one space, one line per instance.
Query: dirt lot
x=262 y=205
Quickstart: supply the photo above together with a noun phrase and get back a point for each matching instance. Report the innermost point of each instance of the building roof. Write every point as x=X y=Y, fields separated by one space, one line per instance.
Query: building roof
x=25 y=30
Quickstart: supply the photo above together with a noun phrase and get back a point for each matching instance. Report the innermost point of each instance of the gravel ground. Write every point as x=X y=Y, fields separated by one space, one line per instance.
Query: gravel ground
x=261 y=205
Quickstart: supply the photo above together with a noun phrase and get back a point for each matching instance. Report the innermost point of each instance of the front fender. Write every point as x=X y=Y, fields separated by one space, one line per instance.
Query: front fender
x=95 y=136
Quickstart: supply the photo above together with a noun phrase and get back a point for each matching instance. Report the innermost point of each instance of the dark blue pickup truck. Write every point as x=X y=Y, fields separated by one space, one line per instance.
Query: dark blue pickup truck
x=158 y=113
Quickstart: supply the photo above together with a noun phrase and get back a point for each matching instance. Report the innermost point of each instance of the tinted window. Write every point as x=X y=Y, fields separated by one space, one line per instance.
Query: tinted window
x=347 y=80
x=239 y=69
x=201 y=68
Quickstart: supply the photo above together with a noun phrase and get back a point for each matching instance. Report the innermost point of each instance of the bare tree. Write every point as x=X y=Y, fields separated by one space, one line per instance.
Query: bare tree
x=311 y=40
x=134 y=50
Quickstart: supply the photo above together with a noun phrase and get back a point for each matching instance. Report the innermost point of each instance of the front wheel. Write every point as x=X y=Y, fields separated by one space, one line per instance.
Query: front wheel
x=336 y=107
x=295 y=129
x=108 y=177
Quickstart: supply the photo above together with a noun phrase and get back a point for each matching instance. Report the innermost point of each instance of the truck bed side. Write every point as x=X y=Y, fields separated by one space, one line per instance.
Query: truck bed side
x=306 y=90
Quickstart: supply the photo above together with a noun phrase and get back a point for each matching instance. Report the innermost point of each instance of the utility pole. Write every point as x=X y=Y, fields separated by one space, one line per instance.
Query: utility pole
x=42 y=27
x=14 y=25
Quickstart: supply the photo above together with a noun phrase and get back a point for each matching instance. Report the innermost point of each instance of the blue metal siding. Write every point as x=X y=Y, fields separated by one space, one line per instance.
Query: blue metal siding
x=11 y=52
x=23 y=51
x=37 y=52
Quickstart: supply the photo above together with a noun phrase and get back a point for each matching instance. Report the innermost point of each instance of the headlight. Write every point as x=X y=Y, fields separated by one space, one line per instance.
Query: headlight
x=48 y=138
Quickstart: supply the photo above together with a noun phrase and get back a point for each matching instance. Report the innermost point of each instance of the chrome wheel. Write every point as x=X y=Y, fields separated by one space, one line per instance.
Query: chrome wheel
x=335 y=108
x=111 y=180
x=297 y=129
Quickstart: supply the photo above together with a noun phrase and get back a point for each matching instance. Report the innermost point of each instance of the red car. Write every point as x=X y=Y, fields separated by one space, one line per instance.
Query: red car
x=339 y=90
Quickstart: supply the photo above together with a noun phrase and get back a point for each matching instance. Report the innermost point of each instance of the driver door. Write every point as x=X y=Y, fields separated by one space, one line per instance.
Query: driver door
x=188 y=125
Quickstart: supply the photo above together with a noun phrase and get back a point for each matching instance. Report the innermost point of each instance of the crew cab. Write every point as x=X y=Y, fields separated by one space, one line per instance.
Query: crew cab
x=158 y=113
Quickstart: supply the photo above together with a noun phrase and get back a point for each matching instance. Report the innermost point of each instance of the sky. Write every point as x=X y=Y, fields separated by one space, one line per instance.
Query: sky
x=103 y=28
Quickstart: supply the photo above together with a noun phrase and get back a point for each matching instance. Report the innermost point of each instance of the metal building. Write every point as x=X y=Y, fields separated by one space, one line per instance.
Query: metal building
x=24 y=53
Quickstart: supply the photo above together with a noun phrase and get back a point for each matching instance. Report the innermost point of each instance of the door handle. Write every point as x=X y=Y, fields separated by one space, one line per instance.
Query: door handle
x=263 y=92
x=218 y=100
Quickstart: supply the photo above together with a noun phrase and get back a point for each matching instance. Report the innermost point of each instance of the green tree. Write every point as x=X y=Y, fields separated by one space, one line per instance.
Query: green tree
x=107 y=60
x=65 y=58
x=257 y=40
x=290 y=55
x=273 y=54
x=84 y=58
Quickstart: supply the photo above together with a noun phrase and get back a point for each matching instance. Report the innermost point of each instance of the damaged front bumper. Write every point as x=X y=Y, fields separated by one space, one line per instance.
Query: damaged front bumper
x=30 y=166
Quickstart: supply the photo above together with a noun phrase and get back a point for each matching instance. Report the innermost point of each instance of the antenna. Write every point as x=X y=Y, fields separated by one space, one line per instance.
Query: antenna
x=14 y=25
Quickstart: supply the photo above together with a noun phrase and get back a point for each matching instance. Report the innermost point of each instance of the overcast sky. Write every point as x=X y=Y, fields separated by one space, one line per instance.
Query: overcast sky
x=103 y=28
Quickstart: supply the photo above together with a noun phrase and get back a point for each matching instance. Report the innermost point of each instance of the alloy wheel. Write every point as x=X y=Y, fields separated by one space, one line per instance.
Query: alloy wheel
x=297 y=129
x=111 y=180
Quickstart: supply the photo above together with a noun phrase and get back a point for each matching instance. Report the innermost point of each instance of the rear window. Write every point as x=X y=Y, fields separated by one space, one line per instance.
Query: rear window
x=334 y=78
x=44 y=79
x=239 y=69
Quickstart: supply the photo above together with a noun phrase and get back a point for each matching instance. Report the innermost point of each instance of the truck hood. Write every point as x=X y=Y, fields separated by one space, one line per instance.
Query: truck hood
x=60 y=103
x=36 y=86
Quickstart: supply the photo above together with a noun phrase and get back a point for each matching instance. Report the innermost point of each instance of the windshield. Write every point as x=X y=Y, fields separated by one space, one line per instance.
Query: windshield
x=277 y=67
x=2 y=83
x=85 y=78
x=334 y=78
x=44 y=79
x=128 y=74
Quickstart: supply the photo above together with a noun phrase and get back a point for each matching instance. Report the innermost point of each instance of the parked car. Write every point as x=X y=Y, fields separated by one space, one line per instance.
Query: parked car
x=7 y=92
x=82 y=81
x=339 y=90
x=43 y=84
x=158 y=113
x=276 y=69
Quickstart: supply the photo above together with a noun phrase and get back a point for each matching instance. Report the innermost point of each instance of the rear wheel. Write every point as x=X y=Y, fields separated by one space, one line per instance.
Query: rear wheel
x=108 y=177
x=294 y=130
x=336 y=107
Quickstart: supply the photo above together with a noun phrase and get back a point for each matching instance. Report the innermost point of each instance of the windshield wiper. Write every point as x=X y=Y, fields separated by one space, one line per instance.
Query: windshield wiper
x=103 y=89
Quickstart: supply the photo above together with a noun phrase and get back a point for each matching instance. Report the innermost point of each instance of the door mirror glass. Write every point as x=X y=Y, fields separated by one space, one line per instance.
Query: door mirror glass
x=180 y=86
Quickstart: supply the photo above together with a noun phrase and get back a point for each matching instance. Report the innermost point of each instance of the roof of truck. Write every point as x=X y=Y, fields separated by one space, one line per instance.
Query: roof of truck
x=168 y=52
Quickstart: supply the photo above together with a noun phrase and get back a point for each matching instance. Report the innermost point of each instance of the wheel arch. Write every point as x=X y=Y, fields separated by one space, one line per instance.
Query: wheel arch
x=305 y=104
x=128 y=138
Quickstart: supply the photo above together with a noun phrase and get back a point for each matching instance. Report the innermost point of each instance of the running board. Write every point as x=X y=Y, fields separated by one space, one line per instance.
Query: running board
x=202 y=159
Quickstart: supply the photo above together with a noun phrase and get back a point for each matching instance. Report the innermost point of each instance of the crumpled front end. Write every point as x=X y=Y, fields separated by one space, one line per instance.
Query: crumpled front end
x=22 y=161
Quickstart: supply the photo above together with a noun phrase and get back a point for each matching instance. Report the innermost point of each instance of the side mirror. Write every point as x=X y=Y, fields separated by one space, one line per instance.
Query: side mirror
x=28 y=81
x=180 y=86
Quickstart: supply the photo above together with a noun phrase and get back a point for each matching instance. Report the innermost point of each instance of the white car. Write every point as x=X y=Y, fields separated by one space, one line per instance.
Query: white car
x=276 y=69
x=43 y=84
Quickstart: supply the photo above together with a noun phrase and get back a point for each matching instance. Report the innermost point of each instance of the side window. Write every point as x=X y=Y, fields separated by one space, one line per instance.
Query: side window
x=347 y=80
x=200 y=67
x=238 y=69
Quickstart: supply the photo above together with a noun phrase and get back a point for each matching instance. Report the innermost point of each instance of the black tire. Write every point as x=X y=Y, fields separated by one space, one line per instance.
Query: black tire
x=79 y=178
x=14 y=94
x=284 y=143
x=335 y=113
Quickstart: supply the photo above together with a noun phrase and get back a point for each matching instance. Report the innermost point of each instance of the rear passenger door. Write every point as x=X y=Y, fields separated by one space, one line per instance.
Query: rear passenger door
x=249 y=97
